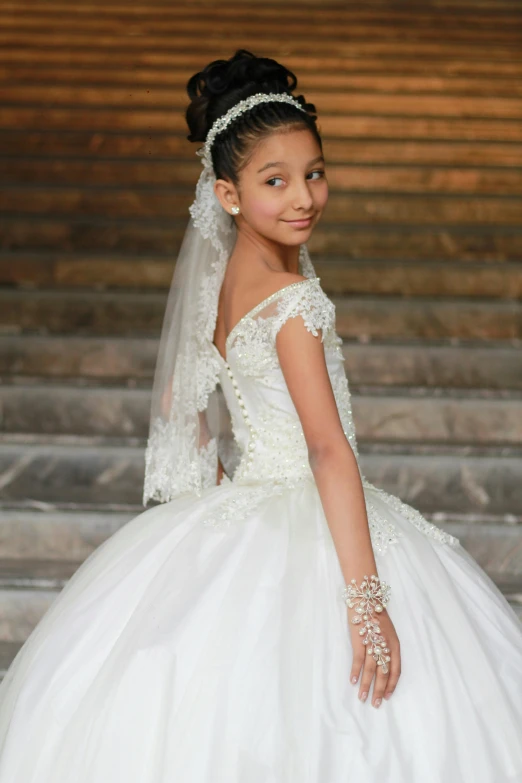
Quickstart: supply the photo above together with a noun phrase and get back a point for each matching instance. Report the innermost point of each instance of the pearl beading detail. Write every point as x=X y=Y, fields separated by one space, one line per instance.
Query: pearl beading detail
x=264 y=303
x=371 y=595
x=412 y=515
x=253 y=434
x=278 y=443
x=240 y=108
x=242 y=504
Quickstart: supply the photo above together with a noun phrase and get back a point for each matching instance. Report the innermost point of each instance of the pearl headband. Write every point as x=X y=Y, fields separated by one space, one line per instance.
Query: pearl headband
x=223 y=122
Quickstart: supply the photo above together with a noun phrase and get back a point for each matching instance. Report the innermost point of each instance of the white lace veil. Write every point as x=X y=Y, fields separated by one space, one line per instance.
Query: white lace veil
x=189 y=424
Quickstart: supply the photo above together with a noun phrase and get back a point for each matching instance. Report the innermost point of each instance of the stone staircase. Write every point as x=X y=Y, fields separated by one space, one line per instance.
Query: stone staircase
x=420 y=249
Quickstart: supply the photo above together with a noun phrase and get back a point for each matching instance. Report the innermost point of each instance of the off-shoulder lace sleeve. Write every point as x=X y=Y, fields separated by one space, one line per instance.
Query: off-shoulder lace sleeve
x=310 y=302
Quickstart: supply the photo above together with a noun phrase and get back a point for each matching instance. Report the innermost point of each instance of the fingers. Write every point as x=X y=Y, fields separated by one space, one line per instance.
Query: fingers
x=381 y=680
x=395 y=670
x=368 y=674
x=357 y=663
x=385 y=682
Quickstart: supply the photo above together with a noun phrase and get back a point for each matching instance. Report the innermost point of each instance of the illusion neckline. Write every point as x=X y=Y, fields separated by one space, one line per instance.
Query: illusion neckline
x=255 y=309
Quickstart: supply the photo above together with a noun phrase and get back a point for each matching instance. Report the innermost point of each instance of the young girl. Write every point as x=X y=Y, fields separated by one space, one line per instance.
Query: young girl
x=276 y=618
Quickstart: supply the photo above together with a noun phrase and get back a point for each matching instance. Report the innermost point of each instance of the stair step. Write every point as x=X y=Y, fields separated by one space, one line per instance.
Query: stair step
x=496 y=546
x=8 y=651
x=21 y=610
x=433 y=478
x=50 y=533
x=408 y=416
x=35 y=575
x=381 y=415
x=340 y=276
x=93 y=474
x=465 y=365
x=469 y=365
x=138 y=313
x=65 y=356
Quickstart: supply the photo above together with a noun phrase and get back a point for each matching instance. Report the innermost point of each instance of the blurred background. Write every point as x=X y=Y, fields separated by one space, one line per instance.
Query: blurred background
x=420 y=249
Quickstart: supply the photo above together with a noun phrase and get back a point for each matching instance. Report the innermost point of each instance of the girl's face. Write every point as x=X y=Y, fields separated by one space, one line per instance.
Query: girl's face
x=283 y=183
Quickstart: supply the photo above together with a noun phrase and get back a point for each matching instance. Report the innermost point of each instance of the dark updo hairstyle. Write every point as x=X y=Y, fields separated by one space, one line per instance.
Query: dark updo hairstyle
x=222 y=84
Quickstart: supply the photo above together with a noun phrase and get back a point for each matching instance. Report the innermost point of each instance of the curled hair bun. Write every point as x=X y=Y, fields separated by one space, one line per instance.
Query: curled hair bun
x=223 y=83
x=244 y=68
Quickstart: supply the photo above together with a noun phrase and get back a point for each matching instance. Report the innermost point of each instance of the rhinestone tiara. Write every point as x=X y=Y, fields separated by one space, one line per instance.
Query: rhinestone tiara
x=239 y=108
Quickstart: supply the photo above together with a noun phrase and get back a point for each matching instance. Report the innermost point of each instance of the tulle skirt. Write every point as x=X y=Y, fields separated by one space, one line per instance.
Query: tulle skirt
x=181 y=653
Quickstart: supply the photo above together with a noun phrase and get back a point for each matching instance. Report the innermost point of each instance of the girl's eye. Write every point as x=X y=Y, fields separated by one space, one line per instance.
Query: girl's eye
x=317 y=171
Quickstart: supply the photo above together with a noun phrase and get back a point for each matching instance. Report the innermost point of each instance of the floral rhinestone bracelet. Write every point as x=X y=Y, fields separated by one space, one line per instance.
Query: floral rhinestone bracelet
x=370 y=596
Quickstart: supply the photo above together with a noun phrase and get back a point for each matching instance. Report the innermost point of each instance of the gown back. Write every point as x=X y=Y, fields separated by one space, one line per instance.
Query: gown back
x=207 y=640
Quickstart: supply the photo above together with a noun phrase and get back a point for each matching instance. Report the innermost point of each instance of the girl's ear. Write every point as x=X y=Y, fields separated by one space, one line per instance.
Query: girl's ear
x=226 y=193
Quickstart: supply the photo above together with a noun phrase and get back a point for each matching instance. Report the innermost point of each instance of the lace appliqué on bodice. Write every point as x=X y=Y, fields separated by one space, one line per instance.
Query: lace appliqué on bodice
x=253 y=338
x=254 y=335
x=253 y=344
x=412 y=515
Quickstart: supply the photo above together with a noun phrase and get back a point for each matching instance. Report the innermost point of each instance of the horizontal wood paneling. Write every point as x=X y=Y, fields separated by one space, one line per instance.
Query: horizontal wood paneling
x=419 y=106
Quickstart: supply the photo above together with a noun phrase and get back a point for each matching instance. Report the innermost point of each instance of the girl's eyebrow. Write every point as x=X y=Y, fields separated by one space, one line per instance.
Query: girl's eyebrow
x=282 y=163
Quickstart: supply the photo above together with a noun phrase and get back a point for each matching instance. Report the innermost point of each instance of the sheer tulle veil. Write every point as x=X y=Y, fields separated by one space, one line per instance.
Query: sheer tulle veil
x=189 y=423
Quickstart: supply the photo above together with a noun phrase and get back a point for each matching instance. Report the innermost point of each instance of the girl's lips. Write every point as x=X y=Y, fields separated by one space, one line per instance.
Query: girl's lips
x=299 y=223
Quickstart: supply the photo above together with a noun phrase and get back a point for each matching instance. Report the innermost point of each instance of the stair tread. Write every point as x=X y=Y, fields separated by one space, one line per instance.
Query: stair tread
x=445 y=363
x=408 y=415
x=35 y=574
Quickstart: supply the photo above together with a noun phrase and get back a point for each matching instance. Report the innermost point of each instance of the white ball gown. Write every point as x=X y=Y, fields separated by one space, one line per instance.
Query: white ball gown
x=207 y=640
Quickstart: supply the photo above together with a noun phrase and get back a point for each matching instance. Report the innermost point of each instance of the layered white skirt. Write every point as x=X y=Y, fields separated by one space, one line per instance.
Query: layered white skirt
x=179 y=653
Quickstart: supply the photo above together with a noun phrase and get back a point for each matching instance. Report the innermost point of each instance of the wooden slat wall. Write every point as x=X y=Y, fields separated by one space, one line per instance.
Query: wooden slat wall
x=420 y=109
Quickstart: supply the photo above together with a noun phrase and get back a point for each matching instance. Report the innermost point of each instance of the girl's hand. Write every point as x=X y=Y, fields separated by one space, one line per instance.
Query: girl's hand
x=384 y=684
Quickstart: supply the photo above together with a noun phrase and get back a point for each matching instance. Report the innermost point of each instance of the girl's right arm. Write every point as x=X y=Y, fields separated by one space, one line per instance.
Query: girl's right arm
x=336 y=472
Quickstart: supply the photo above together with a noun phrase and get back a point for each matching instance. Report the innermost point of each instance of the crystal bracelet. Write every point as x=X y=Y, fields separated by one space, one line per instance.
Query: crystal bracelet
x=371 y=595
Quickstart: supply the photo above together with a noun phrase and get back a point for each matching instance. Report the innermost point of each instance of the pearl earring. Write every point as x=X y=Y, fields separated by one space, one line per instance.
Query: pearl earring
x=235 y=210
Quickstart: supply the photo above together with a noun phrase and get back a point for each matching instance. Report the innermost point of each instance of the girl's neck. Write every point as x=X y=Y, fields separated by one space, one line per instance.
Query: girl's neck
x=264 y=254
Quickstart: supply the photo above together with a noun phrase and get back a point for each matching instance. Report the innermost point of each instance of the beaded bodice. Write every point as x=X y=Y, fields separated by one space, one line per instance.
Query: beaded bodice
x=265 y=423
x=273 y=455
